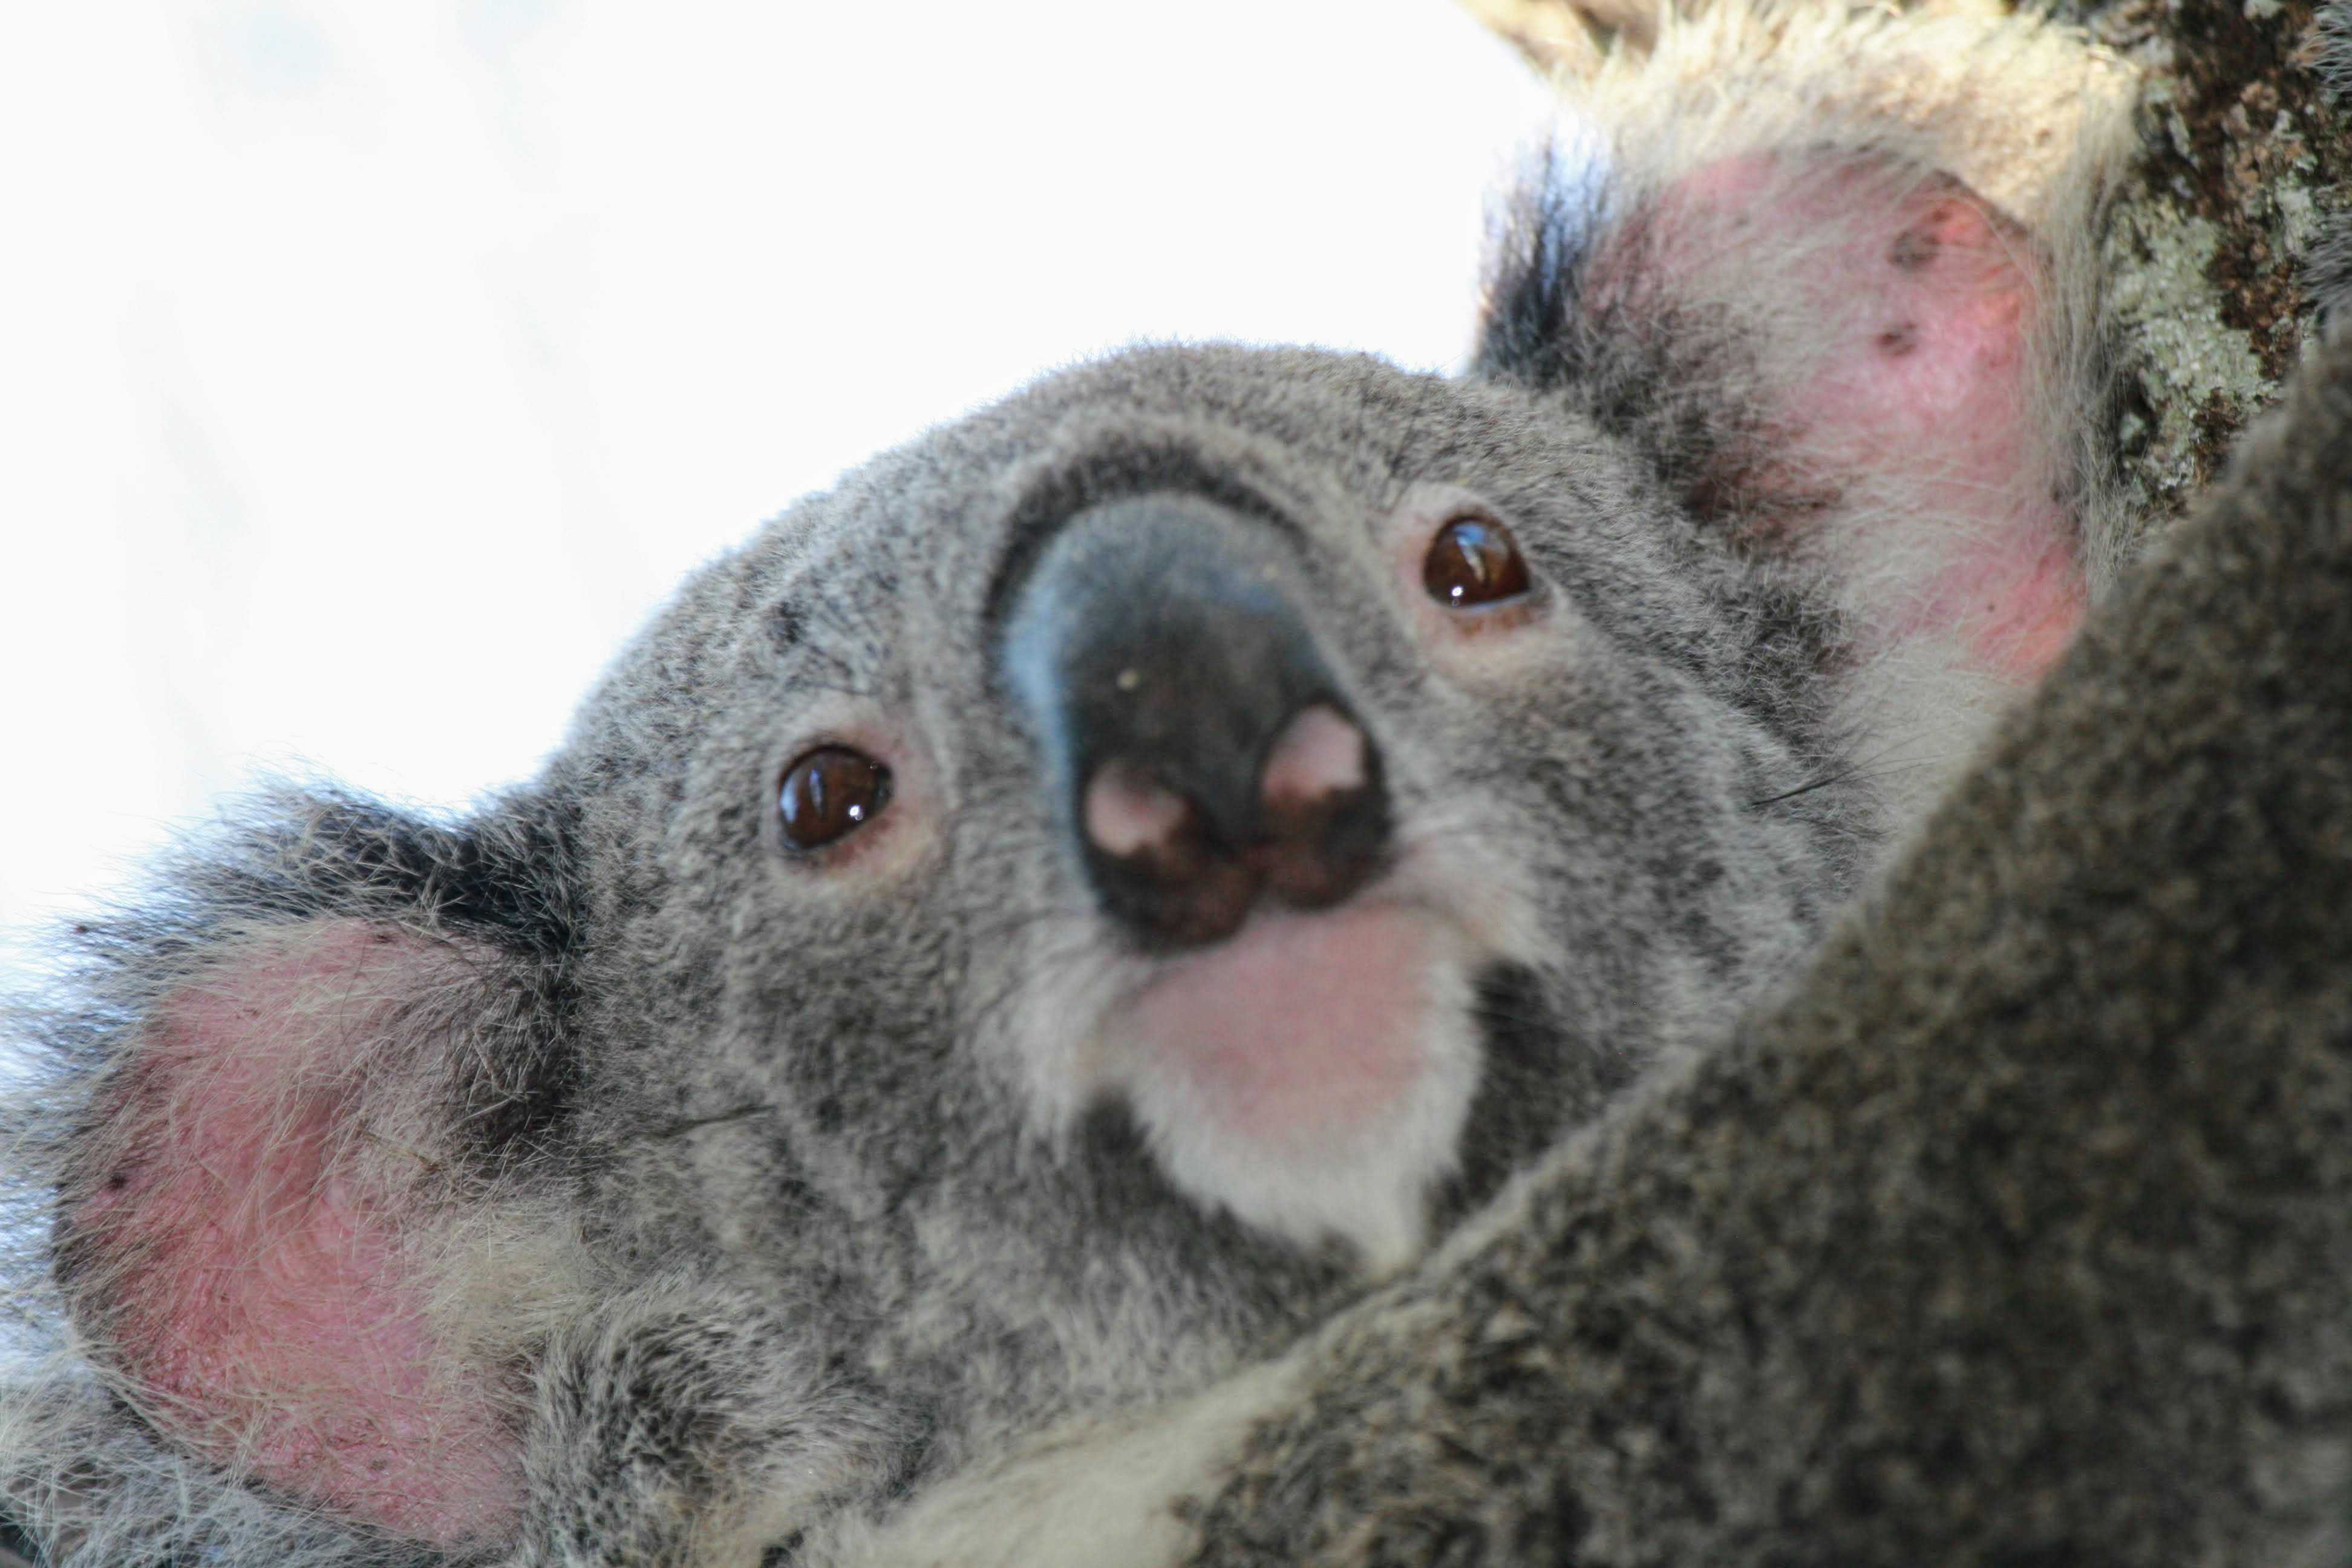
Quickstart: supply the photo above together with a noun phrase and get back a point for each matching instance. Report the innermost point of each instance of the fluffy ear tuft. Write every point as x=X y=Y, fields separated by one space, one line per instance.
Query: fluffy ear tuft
x=298 y=1137
x=1848 y=315
x=258 y=1224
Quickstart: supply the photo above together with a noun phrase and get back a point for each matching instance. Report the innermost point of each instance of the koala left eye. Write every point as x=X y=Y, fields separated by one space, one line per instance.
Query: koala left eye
x=828 y=793
x=1474 y=561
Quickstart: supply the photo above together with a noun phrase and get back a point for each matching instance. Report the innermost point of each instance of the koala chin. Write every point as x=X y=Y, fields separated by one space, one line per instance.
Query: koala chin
x=1313 y=1075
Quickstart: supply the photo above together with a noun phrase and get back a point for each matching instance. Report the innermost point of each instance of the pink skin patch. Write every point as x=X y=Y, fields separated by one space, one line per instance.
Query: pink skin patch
x=256 y=1295
x=1931 y=381
x=2021 y=604
x=1927 y=385
x=1316 y=752
x=1126 y=809
x=1302 y=1031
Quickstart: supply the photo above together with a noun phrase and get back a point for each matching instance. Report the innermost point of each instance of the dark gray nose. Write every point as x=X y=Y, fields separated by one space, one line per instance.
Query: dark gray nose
x=1202 y=754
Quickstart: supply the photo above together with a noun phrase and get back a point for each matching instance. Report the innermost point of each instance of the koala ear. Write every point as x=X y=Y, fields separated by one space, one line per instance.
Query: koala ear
x=1839 y=359
x=294 y=1225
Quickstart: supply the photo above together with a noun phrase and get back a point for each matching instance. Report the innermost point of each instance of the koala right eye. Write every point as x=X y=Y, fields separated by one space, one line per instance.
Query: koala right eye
x=828 y=793
x=1474 y=561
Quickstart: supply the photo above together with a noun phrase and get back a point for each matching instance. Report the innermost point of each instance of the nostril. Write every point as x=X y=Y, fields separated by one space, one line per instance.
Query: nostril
x=1158 y=866
x=1326 y=817
x=1318 y=753
x=1129 y=811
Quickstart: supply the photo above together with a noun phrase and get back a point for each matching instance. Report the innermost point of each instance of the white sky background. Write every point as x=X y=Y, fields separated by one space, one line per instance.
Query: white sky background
x=368 y=370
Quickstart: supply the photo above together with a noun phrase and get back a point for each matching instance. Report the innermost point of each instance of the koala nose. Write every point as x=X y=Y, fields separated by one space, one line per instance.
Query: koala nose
x=1204 y=756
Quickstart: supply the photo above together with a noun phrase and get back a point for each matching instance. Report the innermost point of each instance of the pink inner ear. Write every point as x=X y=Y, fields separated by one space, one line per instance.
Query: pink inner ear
x=1930 y=380
x=265 y=1310
x=1927 y=299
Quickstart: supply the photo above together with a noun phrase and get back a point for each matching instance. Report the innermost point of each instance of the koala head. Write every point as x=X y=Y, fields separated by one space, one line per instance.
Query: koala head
x=1041 y=921
x=1164 y=774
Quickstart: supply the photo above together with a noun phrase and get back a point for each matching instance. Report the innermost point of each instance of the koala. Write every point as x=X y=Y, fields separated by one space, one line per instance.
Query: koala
x=2019 y=1231
x=1116 y=882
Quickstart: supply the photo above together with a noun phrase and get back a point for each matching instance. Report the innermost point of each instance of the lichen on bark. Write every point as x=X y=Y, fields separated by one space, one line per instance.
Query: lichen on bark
x=2242 y=157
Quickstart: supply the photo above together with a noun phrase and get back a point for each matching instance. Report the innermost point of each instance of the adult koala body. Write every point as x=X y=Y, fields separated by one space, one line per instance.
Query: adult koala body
x=1051 y=919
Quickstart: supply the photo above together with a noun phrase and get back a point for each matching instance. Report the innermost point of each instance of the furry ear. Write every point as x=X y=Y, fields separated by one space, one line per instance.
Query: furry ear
x=1845 y=310
x=295 y=1223
x=1872 y=329
x=1843 y=328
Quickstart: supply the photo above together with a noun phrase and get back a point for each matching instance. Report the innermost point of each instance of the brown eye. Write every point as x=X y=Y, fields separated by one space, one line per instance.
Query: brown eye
x=1474 y=561
x=830 y=793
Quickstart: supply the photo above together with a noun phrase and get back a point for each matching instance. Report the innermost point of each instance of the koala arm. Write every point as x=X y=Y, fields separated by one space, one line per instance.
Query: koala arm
x=686 y=1423
x=2018 y=1233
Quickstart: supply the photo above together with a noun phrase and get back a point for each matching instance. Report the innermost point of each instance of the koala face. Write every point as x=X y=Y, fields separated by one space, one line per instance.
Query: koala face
x=1134 y=864
x=1047 y=919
